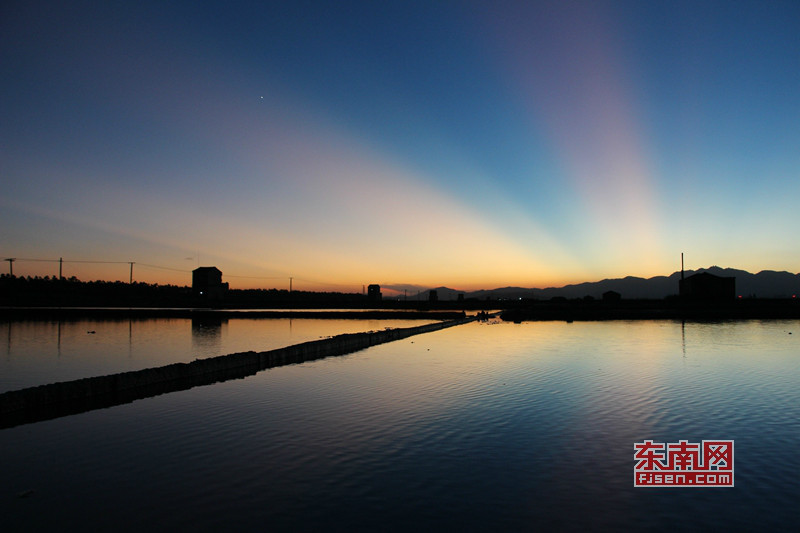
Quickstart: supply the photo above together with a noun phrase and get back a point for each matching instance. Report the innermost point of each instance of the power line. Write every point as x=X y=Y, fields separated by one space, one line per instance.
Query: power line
x=39 y=260
x=71 y=261
x=339 y=285
x=61 y=261
x=325 y=283
x=255 y=277
x=162 y=267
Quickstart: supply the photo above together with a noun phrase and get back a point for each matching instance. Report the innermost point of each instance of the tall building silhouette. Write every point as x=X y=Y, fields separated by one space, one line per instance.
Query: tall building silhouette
x=207 y=283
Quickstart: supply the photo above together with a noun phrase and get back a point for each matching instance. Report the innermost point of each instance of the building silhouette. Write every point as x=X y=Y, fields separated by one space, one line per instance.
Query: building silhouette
x=374 y=293
x=207 y=283
x=706 y=286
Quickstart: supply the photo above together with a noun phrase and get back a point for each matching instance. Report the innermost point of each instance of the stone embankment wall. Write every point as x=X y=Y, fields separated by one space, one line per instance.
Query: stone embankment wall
x=70 y=397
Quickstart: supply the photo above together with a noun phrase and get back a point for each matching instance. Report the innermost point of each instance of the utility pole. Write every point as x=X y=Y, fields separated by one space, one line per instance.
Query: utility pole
x=290 y=284
x=681 y=265
x=60 y=267
x=10 y=264
x=131 y=278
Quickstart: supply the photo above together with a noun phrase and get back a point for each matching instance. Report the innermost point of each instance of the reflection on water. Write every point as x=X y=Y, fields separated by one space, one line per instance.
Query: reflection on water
x=479 y=427
x=40 y=352
x=207 y=334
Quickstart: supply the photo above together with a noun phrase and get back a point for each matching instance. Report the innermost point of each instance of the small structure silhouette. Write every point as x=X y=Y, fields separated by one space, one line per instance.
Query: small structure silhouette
x=611 y=296
x=433 y=296
x=707 y=286
x=207 y=283
x=374 y=293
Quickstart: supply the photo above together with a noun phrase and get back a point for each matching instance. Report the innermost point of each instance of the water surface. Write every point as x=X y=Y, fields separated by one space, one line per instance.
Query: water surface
x=479 y=427
x=40 y=352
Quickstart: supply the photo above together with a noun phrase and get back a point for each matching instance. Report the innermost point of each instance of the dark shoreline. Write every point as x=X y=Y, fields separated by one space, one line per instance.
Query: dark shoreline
x=675 y=309
x=113 y=313
x=513 y=311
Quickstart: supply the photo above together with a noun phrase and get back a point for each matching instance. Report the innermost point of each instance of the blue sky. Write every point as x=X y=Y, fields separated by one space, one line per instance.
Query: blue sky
x=468 y=144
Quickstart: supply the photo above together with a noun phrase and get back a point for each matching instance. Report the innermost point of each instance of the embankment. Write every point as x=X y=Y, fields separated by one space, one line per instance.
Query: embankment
x=70 y=397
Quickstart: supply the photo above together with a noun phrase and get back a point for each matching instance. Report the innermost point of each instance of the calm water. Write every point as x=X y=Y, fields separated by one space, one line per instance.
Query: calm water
x=39 y=352
x=478 y=427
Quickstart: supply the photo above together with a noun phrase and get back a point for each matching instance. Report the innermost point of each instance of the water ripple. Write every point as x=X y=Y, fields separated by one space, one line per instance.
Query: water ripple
x=506 y=427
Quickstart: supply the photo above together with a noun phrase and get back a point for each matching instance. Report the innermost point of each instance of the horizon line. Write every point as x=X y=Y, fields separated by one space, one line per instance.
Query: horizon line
x=394 y=287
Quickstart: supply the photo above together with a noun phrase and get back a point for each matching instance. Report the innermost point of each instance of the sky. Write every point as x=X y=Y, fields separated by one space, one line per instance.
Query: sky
x=465 y=144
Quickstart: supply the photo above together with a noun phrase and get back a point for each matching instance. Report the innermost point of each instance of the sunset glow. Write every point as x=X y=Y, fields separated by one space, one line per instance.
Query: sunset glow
x=467 y=145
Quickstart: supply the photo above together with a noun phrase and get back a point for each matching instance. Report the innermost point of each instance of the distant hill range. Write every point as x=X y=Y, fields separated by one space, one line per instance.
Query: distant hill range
x=765 y=284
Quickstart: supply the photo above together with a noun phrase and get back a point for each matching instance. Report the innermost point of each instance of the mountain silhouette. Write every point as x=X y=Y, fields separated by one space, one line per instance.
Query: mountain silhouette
x=765 y=284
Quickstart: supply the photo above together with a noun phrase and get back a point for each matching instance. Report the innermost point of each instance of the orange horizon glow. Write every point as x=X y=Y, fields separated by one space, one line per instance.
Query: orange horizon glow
x=151 y=274
x=545 y=144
